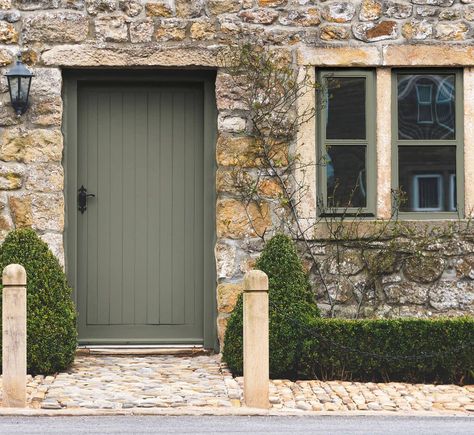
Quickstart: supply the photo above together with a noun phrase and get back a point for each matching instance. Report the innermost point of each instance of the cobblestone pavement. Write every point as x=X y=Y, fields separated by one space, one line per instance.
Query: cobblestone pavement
x=113 y=382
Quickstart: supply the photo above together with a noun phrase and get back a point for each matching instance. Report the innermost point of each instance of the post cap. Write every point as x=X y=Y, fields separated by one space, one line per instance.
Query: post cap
x=14 y=275
x=255 y=281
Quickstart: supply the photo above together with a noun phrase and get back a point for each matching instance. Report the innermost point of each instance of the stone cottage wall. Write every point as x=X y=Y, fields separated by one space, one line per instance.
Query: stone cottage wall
x=57 y=34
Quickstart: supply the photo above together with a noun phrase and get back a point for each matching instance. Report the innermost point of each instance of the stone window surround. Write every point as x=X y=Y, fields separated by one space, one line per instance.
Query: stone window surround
x=384 y=61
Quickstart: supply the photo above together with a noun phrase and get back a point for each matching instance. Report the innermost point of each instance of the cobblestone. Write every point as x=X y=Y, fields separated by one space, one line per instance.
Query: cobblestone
x=112 y=382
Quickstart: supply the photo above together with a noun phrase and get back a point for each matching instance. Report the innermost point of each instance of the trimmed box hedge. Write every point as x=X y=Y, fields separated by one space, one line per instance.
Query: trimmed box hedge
x=409 y=350
x=51 y=315
x=290 y=295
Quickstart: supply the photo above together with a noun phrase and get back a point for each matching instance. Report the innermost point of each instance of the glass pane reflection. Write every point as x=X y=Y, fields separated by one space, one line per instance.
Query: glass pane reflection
x=426 y=106
x=346 y=176
x=345 y=108
x=427 y=176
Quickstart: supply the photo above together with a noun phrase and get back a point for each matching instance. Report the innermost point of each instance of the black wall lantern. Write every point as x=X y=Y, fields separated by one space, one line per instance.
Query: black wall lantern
x=19 y=82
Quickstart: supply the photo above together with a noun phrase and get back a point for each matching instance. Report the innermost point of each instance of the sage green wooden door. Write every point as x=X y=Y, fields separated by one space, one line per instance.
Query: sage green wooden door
x=140 y=241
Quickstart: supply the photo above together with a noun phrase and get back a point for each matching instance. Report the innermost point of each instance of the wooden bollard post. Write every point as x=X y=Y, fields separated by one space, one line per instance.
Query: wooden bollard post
x=14 y=336
x=256 y=347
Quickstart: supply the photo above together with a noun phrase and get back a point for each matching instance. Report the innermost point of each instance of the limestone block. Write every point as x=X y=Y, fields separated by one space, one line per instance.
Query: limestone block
x=189 y=8
x=434 y=2
x=305 y=18
x=45 y=177
x=469 y=13
x=159 y=9
x=34 y=145
x=339 y=12
x=427 y=11
x=55 y=27
x=141 y=30
x=270 y=187
x=336 y=56
x=424 y=269
x=217 y=7
x=29 y=56
x=227 y=295
x=6 y=57
x=450 y=14
x=236 y=151
x=417 y=30
x=171 y=30
x=93 y=7
x=77 y=5
x=46 y=111
x=31 y=5
x=231 y=92
x=11 y=176
x=372 y=32
x=226 y=255
x=406 y=293
x=233 y=219
x=10 y=16
x=259 y=16
x=47 y=83
x=370 y=10
x=397 y=10
x=452 y=295
x=42 y=212
x=203 y=29
x=149 y=55
x=271 y=3
x=8 y=117
x=132 y=8
x=8 y=33
x=452 y=31
x=348 y=262
x=428 y=55
x=231 y=124
x=334 y=33
x=111 y=28
x=465 y=267
x=20 y=207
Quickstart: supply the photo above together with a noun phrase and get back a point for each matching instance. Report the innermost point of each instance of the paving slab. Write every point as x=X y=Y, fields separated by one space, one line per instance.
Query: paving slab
x=202 y=384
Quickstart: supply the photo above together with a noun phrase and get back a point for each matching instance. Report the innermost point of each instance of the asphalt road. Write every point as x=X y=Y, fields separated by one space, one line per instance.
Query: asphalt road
x=236 y=425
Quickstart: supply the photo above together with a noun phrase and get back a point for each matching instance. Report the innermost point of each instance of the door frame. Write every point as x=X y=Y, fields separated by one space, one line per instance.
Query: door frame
x=206 y=78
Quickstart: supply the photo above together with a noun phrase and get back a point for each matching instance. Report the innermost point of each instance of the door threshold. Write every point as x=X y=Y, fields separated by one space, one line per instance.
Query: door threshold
x=142 y=350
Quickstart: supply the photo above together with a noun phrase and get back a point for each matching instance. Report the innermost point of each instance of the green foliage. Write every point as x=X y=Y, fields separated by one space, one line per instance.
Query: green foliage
x=51 y=324
x=290 y=298
x=408 y=350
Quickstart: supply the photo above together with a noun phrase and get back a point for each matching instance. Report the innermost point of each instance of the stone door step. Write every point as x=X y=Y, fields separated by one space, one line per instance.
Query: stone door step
x=143 y=350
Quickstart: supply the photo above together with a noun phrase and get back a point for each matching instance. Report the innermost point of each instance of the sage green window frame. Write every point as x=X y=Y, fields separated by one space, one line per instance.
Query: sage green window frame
x=458 y=142
x=369 y=142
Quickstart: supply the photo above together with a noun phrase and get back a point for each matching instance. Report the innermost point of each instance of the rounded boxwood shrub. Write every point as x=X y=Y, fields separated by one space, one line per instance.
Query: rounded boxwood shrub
x=292 y=307
x=51 y=323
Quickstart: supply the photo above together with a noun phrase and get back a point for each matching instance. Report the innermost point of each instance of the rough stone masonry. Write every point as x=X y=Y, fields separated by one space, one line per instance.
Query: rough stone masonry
x=54 y=34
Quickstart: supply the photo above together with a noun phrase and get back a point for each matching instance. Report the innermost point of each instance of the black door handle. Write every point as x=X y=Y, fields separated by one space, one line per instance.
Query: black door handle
x=82 y=196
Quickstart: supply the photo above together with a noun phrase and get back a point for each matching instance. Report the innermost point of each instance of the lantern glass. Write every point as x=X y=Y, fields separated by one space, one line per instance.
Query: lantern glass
x=19 y=82
x=13 y=86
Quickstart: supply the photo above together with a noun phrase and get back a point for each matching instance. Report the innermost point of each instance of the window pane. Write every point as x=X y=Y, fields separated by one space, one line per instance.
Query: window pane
x=346 y=176
x=345 y=108
x=427 y=176
x=426 y=106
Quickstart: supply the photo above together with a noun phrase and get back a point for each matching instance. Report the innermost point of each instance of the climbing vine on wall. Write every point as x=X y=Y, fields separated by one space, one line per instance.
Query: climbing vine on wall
x=359 y=267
